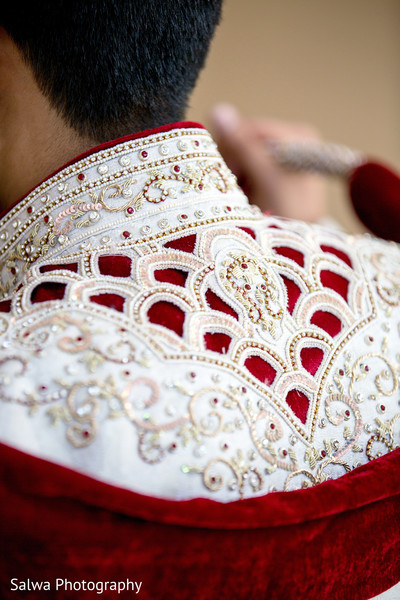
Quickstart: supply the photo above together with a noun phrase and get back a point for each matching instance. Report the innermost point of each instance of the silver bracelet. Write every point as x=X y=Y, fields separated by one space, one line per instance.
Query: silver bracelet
x=316 y=157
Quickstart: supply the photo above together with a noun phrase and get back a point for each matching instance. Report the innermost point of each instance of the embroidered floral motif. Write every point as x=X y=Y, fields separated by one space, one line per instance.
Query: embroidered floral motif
x=254 y=288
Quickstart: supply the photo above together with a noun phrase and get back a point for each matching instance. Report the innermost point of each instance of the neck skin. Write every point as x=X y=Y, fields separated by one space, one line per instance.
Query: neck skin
x=34 y=139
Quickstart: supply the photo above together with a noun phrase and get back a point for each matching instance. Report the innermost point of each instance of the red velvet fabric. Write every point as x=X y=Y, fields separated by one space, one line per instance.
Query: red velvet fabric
x=186 y=243
x=174 y=276
x=216 y=303
x=168 y=315
x=114 y=301
x=339 y=540
x=116 y=266
x=249 y=231
x=335 y=282
x=338 y=253
x=293 y=293
x=217 y=342
x=5 y=306
x=327 y=321
x=261 y=369
x=60 y=267
x=311 y=359
x=295 y=255
x=48 y=290
x=375 y=194
x=299 y=403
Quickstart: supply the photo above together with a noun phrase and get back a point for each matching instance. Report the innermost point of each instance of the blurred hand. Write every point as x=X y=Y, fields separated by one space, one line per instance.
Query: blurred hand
x=243 y=142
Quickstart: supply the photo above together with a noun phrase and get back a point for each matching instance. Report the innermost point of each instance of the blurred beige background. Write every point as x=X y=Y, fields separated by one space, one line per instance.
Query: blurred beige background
x=333 y=63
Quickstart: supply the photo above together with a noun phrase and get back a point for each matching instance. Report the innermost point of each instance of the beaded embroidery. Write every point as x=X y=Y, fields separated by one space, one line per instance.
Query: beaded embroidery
x=181 y=343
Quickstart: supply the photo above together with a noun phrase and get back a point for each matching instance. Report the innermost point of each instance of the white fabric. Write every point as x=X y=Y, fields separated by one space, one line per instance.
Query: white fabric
x=106 y=392
x=392 y=594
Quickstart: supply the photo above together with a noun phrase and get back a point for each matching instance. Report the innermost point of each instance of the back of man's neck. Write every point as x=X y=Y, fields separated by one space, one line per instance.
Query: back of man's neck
x=34 y=139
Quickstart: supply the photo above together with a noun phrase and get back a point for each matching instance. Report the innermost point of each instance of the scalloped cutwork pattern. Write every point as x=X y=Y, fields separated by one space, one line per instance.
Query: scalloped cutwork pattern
x=227 y=353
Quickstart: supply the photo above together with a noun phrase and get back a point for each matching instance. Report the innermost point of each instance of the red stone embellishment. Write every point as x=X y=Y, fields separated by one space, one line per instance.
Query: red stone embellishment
x=126 y=234
x=177 y=169
x=29 y=210
x=81 y=176
x=130 y=210
x=144 y=154
x=46 y=218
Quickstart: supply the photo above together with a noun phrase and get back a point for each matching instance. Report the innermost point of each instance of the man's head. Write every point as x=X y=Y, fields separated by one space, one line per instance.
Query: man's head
x=113 y=67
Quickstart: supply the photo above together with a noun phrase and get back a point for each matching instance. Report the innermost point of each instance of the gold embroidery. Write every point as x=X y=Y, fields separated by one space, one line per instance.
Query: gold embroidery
x=258 y=293
x=112 y=369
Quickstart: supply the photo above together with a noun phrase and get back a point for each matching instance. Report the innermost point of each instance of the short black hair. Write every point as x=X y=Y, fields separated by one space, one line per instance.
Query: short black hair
x=114 y=67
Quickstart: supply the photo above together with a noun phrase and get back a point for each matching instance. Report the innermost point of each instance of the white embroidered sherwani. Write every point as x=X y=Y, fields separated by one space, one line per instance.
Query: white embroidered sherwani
x=160 y=334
